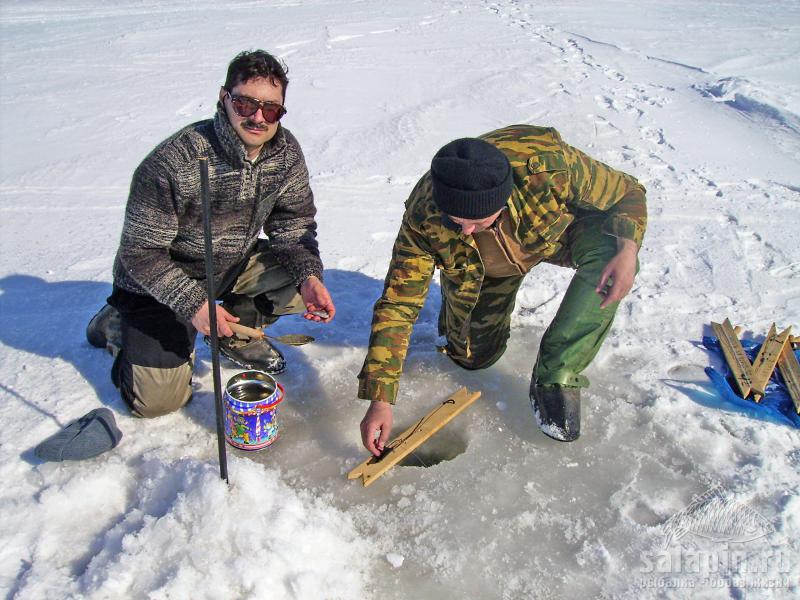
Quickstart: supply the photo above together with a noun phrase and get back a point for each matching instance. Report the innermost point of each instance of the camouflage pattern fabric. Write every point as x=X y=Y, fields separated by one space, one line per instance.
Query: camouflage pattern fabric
x=489 y=323
x=554 y=184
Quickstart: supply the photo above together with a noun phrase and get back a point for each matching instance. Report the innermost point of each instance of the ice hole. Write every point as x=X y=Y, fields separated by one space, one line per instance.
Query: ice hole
x=444 y=445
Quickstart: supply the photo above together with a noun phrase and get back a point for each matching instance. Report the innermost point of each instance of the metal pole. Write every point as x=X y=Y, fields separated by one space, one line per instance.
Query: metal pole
x=212 y=316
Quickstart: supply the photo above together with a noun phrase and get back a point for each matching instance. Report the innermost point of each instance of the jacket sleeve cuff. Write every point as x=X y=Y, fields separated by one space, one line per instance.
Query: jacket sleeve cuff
x=300 y=276
x=187 y=302
x=375 y=389
x=626 y=228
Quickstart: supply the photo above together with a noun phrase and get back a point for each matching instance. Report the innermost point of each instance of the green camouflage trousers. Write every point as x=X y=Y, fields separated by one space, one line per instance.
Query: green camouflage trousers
x=576 y=333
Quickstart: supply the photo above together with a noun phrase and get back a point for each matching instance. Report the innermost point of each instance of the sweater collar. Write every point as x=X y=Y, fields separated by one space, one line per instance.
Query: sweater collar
x=233 y=145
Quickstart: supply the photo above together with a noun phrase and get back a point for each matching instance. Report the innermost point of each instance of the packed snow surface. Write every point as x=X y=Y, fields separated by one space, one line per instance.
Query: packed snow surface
x=699 y=100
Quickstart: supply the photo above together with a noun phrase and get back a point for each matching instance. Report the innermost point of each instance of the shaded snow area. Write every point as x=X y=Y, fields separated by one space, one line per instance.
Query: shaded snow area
x=699 y=100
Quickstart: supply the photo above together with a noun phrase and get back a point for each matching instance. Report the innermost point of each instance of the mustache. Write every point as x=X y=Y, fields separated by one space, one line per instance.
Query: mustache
x=253 y=125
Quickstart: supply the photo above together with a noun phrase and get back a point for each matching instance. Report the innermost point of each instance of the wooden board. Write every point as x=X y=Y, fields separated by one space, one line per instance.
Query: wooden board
x=411 y=438
x=790 y=370
x=735 y=357
x=767 y=359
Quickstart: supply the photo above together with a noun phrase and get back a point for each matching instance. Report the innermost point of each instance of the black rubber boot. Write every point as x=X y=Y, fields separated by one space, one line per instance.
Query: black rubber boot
x=104 y=330
x=558 y=411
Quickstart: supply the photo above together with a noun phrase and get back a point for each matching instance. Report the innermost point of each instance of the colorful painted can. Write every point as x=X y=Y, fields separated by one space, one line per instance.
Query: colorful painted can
x=251 y=410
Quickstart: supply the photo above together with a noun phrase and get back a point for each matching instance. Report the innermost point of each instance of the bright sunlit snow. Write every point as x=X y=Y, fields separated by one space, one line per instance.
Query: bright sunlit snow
x=699 y=100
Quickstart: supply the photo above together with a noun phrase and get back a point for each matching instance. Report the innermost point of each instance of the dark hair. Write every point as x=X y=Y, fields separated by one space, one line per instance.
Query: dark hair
x=256 y=63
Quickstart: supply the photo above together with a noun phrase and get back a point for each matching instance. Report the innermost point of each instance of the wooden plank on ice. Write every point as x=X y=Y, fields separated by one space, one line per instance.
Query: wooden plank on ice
x=737 y=360
x=411 y=438
x=790 y=370
x=767 y=359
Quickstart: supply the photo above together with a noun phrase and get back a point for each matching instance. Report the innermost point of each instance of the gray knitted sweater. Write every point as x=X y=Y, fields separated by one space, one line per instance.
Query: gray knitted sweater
x=161 y=252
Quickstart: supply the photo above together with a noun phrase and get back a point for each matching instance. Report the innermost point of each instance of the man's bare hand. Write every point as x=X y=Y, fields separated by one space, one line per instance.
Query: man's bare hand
x=376 y=427
x=202 y=322
x=621 y=271
x=317 y=299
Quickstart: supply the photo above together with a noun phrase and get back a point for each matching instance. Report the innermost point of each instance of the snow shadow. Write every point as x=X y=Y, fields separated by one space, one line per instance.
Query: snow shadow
x=48 y=319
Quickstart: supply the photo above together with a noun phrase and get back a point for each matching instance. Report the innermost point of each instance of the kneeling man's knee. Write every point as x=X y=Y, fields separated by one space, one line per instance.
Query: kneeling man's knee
x=153 y=392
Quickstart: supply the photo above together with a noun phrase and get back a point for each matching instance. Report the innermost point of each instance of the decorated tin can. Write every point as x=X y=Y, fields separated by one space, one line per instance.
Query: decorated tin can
x=251 y=410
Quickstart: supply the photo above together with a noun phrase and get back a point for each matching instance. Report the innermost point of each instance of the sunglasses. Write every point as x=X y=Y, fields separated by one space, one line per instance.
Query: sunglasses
x=247 y=107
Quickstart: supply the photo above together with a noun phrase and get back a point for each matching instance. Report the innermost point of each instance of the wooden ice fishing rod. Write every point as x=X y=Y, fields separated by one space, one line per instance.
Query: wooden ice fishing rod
x=212 y=316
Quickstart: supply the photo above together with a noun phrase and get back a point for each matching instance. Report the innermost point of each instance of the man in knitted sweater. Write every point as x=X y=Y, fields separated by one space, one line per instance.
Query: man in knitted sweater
x=487 y=212
x=258 y=185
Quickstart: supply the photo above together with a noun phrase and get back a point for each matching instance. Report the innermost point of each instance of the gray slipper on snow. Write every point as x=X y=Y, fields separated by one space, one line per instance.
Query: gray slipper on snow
x=92 y=434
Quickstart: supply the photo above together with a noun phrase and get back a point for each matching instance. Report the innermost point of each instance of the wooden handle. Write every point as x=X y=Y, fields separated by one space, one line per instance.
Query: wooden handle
x=246 y=331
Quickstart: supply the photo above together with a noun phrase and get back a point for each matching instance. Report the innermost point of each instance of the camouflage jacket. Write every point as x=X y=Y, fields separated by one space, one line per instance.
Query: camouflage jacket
x=553 y=183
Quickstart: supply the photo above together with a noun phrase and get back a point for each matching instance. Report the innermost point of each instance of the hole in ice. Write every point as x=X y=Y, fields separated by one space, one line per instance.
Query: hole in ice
x=444 y=445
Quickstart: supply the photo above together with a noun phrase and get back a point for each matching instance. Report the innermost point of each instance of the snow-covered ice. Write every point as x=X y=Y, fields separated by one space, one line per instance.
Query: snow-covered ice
x=699 y=100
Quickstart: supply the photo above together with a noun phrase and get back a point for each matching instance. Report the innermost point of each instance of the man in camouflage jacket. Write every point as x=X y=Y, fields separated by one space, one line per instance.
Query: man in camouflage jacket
x=489 y=210
x=258 y=183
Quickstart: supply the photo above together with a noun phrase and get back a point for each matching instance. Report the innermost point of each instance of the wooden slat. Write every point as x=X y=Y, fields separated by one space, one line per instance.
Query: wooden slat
x=244 y=331
x=411 y=438
x=767 y=359
x=735 y=357
x=790 y=370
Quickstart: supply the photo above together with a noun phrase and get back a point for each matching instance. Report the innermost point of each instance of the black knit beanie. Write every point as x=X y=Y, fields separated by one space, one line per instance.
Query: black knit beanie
x=471 y=179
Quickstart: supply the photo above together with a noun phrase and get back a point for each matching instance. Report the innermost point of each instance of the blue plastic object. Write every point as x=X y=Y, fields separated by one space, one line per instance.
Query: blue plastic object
x=776 y=401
